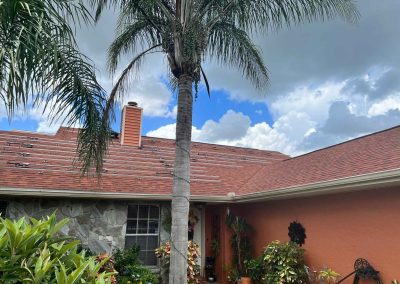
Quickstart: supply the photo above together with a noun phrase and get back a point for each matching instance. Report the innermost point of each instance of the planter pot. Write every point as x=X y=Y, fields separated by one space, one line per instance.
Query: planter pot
x=245 y=280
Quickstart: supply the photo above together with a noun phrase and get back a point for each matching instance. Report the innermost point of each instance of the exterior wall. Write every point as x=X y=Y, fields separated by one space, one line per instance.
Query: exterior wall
x=340 y=228
x=216 y=229
x=99 y=224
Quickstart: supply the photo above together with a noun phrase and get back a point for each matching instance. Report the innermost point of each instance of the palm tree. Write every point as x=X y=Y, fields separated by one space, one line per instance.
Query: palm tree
x=40 y=64
x=188 y=32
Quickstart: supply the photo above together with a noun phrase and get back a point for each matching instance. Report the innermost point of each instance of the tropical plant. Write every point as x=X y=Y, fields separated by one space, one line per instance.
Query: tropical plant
x=108 y=265
x=129 y=267
x=188 y=32
x=240 y=241
x=193 y=253
x=33 y=252
x=284 y=263
x=41 y=66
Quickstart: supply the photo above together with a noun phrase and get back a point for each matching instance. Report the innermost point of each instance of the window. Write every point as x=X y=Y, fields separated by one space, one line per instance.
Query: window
x=142 y=229
x=3 y=208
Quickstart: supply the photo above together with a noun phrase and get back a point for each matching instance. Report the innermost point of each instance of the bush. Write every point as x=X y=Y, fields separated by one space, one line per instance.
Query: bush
x=284 y=263
x=254 y=269
x=33 y=252
x=130 y=269
x=193 y=269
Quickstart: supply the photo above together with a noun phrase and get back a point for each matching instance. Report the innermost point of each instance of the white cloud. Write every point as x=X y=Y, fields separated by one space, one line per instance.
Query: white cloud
x=314 y=102
x=235 y=129
x=166 y=131
x=153 y=96
x=382 y=107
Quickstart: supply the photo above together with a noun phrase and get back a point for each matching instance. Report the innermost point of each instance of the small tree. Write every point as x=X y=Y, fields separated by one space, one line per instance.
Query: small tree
x=240 y=241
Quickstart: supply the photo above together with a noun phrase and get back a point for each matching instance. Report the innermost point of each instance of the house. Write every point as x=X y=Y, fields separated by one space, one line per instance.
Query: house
x=346 y=196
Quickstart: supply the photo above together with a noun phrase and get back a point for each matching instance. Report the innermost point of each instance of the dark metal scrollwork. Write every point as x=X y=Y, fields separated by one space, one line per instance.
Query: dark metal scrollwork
x=363 y=270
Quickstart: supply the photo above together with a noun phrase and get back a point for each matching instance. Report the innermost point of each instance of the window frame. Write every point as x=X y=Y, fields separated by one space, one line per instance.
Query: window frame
x=148 y=219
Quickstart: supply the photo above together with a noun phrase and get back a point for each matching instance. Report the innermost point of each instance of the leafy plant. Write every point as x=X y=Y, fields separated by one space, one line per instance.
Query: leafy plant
x=284 y=263
x=233 y=275
x=215 y=247
x=108 y=265
x=193 y=253
x=328 y=276
x=33 y=252
x=323 y=276
x=240 y=241
x=130 y=269
x=254 y=268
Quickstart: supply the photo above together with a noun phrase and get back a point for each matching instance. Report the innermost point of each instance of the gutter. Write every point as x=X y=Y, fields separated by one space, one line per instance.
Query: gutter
x=353 y=183
x=65 y=193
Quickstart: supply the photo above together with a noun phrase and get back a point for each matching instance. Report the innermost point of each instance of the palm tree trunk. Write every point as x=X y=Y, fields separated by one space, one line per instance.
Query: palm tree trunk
x=181 y=186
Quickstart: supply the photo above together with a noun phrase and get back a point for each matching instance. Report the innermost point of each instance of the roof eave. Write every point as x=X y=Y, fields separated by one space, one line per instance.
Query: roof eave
x=353 y=183
x=359 y=182
x=48 y=193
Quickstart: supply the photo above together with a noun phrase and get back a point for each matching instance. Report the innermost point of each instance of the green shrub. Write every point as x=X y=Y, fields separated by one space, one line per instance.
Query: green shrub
x=129 y=267
x=254 y=269
x=33 y=252
x=284 y=263
x=126 y=261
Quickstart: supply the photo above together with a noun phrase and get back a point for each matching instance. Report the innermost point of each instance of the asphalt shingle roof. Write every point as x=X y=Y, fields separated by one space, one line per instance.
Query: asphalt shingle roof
x=37 y=161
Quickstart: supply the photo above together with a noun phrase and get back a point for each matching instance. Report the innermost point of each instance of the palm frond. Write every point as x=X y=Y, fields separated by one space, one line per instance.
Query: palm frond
x=123 y=81
x=206 y=81
x=231 y=45
x=273 y=14
x=39 y=62
x=137 y=34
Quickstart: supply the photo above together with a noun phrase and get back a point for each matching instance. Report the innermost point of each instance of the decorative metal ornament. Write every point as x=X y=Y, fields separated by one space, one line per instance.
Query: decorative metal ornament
x=297 y=233
x=363 y=270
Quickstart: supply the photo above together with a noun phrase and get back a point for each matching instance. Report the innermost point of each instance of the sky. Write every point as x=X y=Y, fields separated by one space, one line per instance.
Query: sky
x=329 y=82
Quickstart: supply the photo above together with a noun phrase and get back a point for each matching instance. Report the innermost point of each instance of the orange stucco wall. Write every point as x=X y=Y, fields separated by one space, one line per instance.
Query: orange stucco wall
x=340 y=228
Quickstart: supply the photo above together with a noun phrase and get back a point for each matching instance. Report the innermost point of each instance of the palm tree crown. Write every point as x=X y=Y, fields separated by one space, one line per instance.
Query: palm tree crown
x=189 y=32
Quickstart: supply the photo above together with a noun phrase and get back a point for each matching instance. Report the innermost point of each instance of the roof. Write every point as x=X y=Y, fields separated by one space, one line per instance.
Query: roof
x=31 y=161
x=375 y=153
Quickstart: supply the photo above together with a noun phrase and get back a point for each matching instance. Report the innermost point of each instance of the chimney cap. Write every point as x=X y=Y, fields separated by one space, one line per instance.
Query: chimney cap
x=134 y=104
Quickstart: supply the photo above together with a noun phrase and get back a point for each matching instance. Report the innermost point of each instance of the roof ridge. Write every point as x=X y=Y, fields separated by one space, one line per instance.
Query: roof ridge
x=344 y=142
x=221 y=145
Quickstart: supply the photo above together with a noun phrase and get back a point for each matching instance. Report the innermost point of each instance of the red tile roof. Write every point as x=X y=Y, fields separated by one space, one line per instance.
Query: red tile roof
x=37 y=161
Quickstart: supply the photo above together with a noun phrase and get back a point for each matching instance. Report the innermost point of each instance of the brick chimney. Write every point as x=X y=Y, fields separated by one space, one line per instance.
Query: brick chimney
x=131 y=125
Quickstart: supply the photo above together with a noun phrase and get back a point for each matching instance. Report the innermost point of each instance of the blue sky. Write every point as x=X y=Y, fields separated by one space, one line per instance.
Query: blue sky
x=330 y=82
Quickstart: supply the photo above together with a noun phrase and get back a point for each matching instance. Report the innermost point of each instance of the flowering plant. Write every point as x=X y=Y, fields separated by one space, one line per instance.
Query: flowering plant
x=193 y=253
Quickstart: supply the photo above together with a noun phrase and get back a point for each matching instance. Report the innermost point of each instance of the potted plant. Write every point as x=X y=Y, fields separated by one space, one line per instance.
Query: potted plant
x=245 y=277
x=240 y=243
